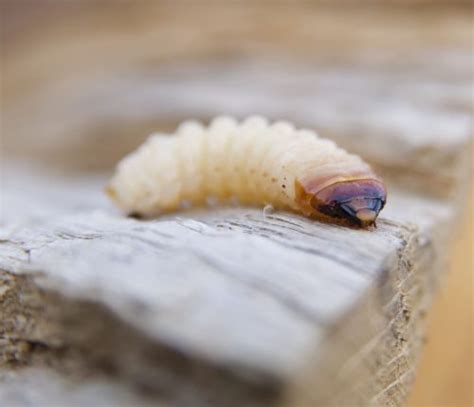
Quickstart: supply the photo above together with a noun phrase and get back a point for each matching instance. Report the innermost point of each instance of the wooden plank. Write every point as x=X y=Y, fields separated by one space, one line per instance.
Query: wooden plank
x=45 y=387
x=261 y=297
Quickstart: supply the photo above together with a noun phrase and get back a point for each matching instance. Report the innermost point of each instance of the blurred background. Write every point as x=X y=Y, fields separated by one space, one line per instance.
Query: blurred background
x=84 y=82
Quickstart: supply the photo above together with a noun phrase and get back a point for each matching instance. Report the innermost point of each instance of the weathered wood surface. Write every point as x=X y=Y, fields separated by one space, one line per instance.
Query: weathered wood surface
x=224 y=306
x=47 y=388
x=237 y=299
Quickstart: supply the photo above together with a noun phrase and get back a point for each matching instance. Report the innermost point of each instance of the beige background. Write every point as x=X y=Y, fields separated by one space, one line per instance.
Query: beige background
x=445 y=377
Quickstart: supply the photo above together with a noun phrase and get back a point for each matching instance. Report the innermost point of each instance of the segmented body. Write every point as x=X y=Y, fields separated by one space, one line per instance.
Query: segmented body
x=256 y=162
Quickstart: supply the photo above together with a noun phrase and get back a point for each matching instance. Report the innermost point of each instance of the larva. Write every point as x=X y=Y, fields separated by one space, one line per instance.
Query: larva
x=255 y=162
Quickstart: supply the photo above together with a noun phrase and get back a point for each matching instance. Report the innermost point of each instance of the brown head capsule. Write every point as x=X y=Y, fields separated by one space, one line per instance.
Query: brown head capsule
x=354 y=202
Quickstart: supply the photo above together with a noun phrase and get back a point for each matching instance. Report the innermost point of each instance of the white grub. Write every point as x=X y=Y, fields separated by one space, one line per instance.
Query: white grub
x=252 y=163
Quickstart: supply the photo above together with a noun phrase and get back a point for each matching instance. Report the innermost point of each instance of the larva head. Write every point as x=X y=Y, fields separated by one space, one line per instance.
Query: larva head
x=354 y=202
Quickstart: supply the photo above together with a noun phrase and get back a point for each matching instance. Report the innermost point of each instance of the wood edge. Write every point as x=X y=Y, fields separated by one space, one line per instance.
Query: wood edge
x=376 y=363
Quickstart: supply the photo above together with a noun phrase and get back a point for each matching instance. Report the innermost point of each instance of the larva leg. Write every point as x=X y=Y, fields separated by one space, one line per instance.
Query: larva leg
x=268 y=209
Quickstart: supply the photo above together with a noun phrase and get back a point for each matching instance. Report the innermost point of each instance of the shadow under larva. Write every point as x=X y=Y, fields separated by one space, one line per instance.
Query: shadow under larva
x=254 y=161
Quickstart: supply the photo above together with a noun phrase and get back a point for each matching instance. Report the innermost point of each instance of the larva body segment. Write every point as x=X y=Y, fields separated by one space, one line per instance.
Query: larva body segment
x=256 y=162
